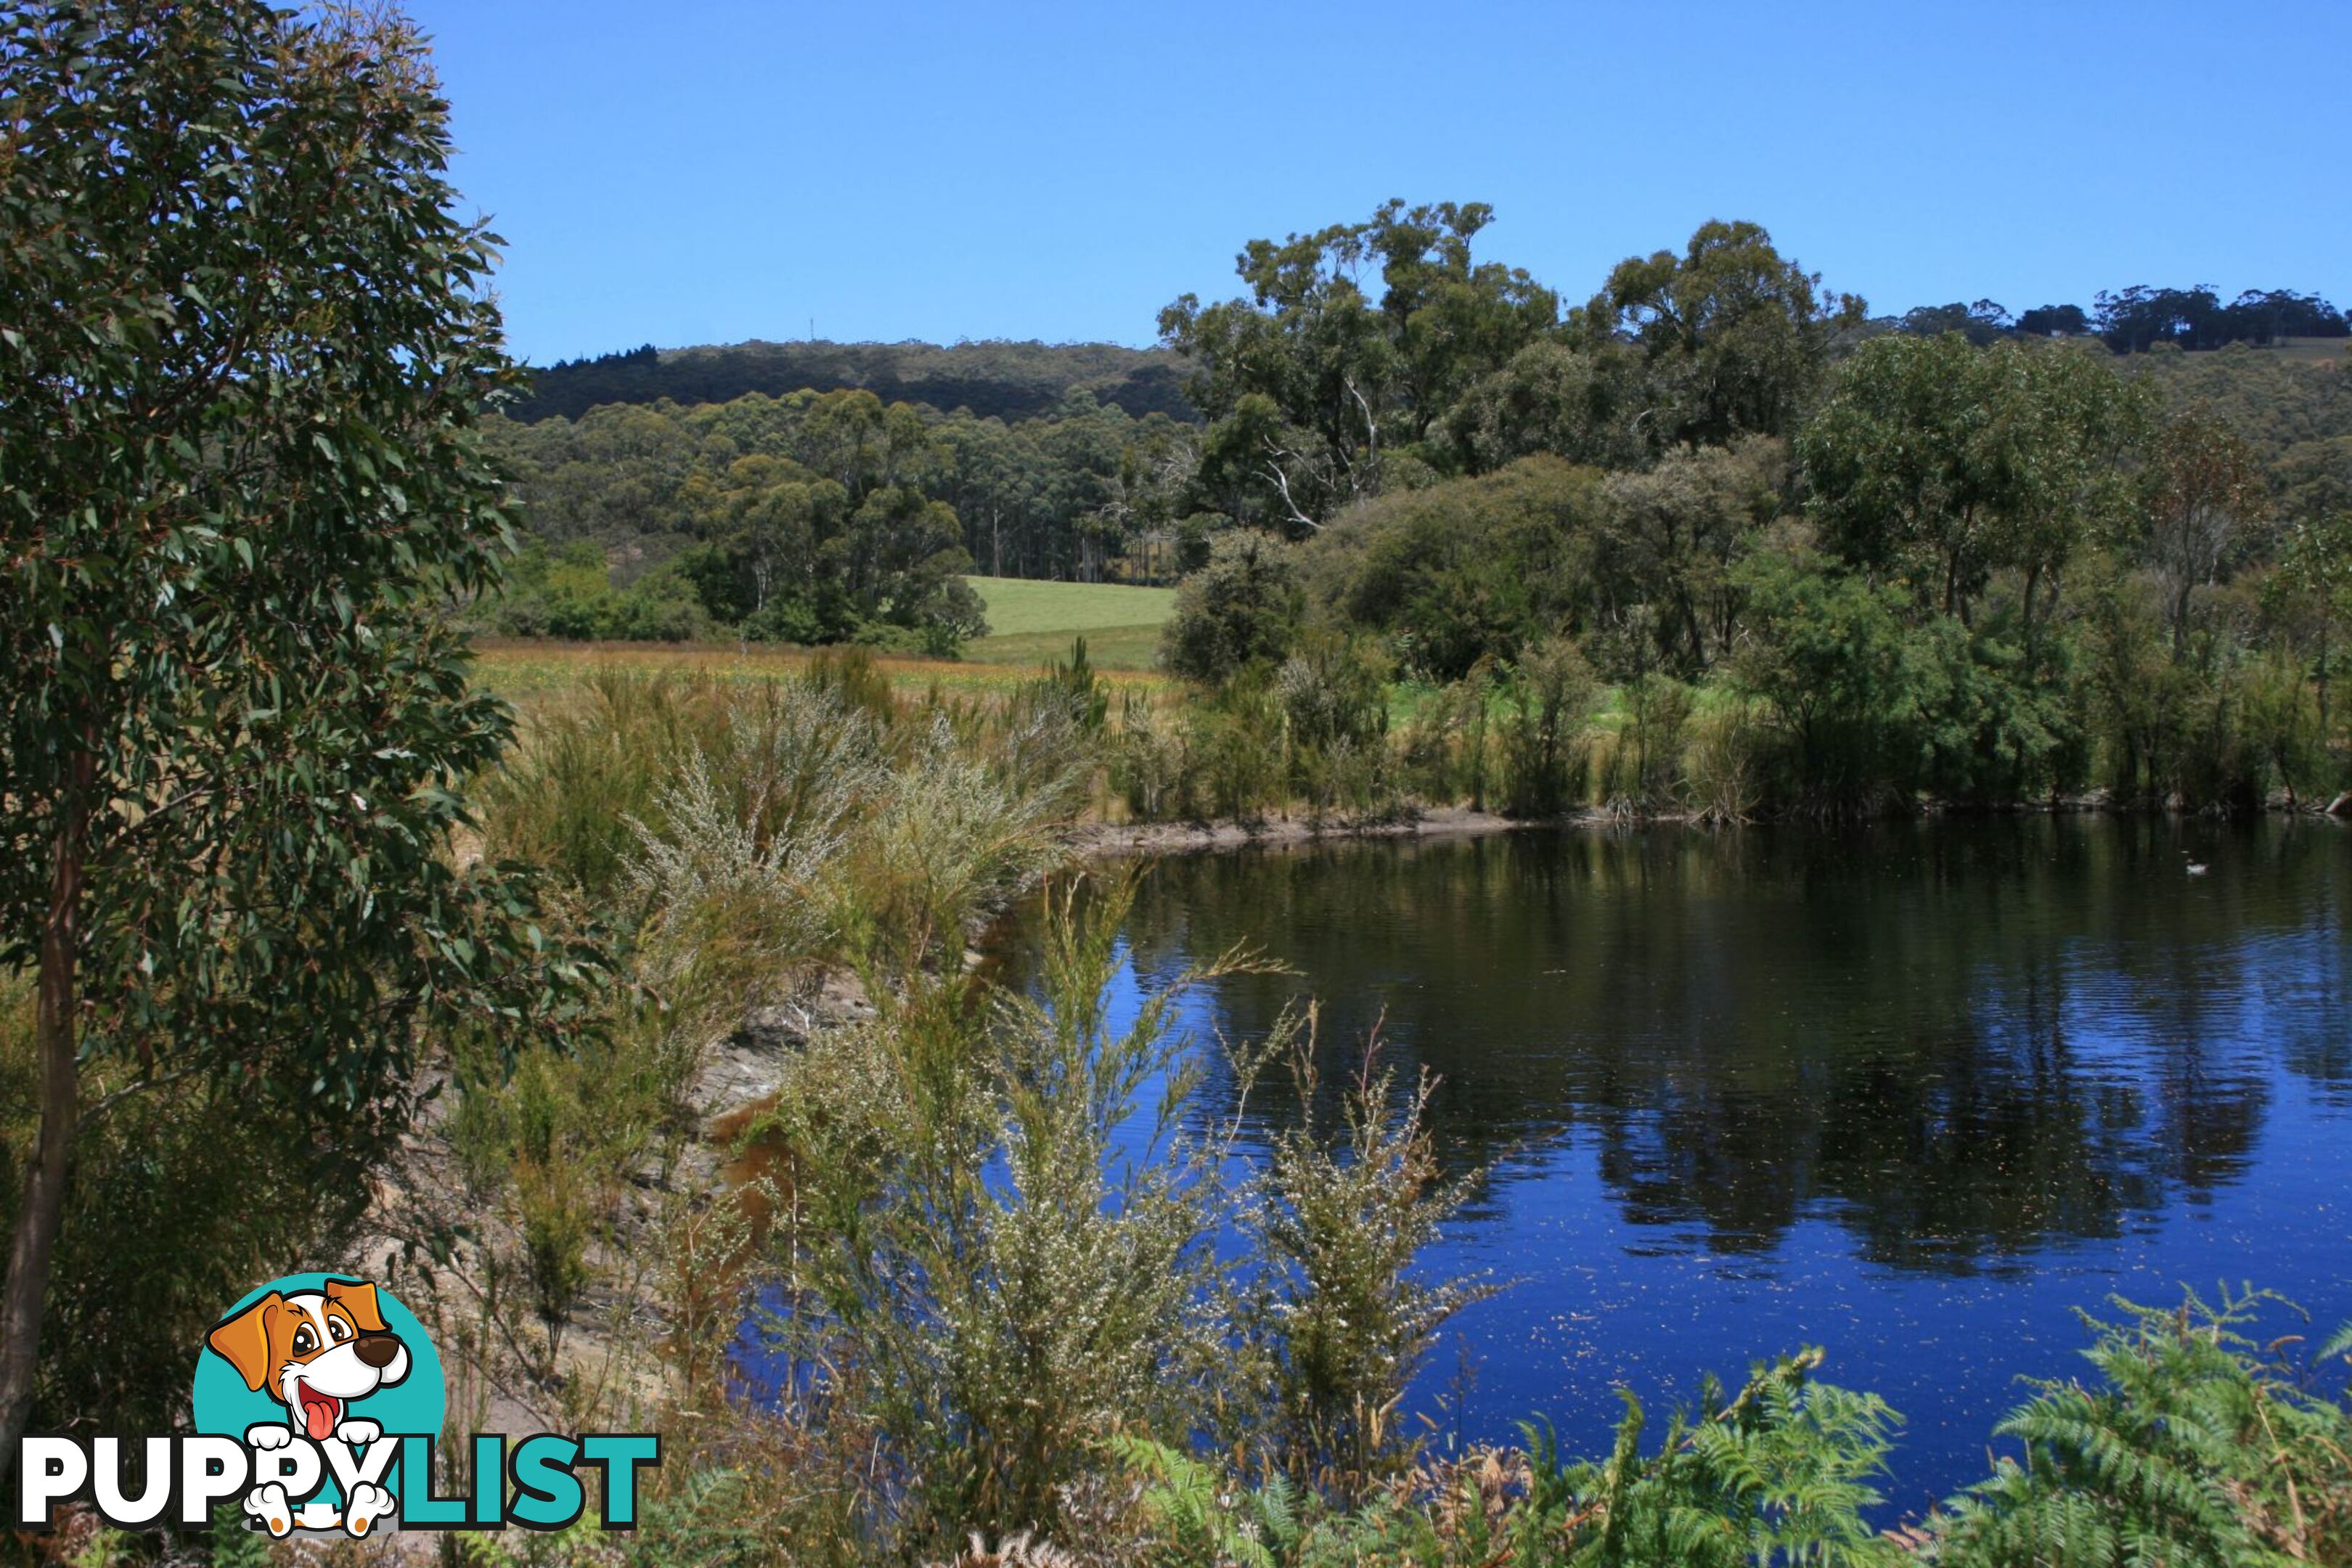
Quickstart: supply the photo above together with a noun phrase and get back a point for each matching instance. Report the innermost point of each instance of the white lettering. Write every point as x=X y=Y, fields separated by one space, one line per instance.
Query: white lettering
x=48 y=1472
x=106 y=1473
x=296 y=1467
x=213 y=1469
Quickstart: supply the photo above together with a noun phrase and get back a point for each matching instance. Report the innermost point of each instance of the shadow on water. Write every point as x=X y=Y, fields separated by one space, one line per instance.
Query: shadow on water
x=1915 y=1092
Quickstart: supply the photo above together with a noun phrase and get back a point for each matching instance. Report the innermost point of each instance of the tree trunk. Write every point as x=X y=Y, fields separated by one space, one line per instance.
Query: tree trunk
x=2327 y=738
x=42 y=1213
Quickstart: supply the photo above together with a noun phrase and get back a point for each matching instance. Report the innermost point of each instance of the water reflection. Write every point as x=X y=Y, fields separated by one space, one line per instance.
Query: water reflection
x=1962 y=1042
x=1916 y=1094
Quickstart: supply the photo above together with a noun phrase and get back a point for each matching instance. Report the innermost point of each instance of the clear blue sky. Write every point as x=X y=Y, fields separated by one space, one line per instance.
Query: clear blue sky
x=702 y=171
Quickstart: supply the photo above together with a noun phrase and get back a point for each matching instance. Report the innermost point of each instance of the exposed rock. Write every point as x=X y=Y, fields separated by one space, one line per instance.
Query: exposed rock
x=748 y=1065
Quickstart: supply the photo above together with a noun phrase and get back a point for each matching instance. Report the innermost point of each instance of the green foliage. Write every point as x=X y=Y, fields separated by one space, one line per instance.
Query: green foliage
x=2204 y=489
x=183 y=1197
x=993 y=379
x=1473 y=476
x=1071 y=691
x=1334 y=698
x=234 y=1544
x=591 y=765
x=236 y=725
x=1465 y=570
x=1732 y=335
x=1664 y=589
x=823 y=516
x=1195 y=1519
x=1316 y=393
x=1996 y=723
x=1936 y=463
x=1581 y=404
x=1234 y=749
x=2196 y=1449
x=569 y=595
x=1779 y=1474
x=989 y=1326
x=811 y=519
x=1443 y=750
x=1346 y=1204
x=1831 y=658
x=1241 y=609
x=1723 y=766
x=1551 y=693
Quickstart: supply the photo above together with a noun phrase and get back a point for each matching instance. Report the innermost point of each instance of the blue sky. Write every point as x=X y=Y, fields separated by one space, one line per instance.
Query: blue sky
x=705 y=172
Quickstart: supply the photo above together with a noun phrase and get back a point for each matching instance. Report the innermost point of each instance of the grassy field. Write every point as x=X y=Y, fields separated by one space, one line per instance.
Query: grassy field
x=527 y=671
x=2310 y=351
x=1033 y=623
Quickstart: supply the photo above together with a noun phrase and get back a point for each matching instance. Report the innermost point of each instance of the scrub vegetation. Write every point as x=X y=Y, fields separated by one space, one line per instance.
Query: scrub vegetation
x=640 y=1041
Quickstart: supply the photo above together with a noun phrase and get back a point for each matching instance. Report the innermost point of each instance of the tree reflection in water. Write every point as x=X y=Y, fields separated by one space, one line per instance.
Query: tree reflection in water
x=1975 y=1050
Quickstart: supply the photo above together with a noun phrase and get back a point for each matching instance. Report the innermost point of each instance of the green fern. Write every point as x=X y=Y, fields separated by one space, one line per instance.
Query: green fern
x=2196 y=1449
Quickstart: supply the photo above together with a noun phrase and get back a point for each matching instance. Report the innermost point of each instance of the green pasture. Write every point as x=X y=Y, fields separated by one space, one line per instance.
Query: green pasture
x=1033 y=623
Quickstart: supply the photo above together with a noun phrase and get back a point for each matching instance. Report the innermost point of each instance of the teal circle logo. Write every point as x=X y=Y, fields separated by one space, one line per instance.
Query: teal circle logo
x=329 y=1359
x=243 y=1374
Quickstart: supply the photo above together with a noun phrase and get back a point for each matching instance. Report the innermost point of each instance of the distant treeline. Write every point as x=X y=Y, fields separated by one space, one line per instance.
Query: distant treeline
x=2137 y=319
x=1022 y=380
x=993 y=380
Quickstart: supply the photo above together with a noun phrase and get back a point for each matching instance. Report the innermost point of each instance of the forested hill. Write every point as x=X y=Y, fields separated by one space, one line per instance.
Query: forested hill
x=1007 y=381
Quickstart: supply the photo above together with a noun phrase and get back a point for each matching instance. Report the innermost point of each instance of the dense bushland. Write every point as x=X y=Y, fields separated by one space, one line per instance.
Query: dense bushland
x=1816 y=563
x=1379 y=390
x=993 y=380
x=1978 y=576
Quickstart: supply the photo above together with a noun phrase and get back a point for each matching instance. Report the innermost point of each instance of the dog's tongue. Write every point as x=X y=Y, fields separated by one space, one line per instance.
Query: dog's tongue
x=318 y=1412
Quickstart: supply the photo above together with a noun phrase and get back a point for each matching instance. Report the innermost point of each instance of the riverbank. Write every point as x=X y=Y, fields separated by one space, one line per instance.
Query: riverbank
x=1106 y=840
x=1099 y=840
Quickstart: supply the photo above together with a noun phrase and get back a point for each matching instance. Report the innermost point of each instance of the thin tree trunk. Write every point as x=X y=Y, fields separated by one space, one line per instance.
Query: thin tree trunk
x=2327 y=739
x=42 y=1213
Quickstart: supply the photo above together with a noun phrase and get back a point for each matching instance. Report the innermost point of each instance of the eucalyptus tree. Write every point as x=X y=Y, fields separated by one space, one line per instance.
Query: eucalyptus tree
x=1354 y=341
x=243 y=345
x=1938 y=463
x=1672 y=534
x=1733 y=335
x=2316 y=566
x=2205 y=488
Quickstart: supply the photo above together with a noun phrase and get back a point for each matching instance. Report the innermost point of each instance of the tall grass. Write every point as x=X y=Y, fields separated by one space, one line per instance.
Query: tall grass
x=735 y=843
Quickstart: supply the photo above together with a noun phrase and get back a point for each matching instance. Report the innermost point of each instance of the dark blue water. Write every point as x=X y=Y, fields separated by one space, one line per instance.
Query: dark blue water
x=1915 y=1094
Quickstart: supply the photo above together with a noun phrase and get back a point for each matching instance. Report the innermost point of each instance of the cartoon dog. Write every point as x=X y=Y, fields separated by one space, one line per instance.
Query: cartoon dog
x=315 y=1352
